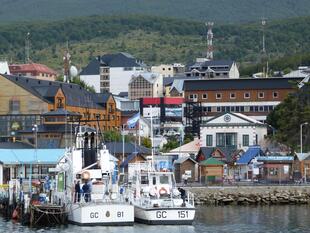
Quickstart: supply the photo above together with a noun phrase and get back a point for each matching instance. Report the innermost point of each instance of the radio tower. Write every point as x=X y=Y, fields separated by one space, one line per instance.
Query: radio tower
x=27 y=48
x=210 y=38
x=264 y=53
x=67 y=61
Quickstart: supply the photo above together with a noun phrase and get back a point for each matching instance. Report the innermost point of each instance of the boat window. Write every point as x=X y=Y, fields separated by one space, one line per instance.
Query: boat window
x=154 y=180
x=164 y=179
x=144 y=180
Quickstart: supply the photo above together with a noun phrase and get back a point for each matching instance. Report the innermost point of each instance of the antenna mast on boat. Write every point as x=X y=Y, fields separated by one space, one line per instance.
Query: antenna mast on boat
x=152 y=147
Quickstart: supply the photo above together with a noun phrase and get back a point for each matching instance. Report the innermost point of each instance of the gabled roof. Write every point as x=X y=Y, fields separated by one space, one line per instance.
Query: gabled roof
x=46 y=90
x=211 y=161
x=183 y=159
x=239 y=84
x=30 y=68
x=117 y=148
x=191 y=147
x=27 y=156
x=212 y=64
x=243 y=119
x=130 y=158
x=111 y=60
x=228 y=152
x=148 y=76
x=251 y=153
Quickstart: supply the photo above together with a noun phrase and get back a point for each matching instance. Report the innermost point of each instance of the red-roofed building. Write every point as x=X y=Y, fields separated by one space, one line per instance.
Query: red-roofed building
x=33 y=70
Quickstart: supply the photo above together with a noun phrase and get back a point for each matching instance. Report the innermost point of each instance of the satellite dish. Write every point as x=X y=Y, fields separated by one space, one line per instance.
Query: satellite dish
x=73 y=71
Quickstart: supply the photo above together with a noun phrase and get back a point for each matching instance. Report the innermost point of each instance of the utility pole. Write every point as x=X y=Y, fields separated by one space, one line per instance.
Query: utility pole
x=27 y=48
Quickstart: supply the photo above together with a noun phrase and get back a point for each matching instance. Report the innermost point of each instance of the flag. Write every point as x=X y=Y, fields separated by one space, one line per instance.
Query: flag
x=131 y=122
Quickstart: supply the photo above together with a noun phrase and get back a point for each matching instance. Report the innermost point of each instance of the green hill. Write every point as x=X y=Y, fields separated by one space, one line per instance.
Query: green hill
x=217 y=10
x=153 y=39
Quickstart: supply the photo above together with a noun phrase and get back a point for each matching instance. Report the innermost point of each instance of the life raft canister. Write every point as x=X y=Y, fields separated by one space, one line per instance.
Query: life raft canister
x=163 y=191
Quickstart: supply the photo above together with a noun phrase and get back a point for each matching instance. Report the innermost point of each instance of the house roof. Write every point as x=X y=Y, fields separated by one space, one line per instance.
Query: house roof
x=148 y=76
x=211 y=161
x=130 y=158
x=27 y=156
x=191 y=147
x=251 y=153
x=239 y=84
x=111 y=60
x=30 y=68
x=228 y=152
x=117 y=148
x=183 y=159
x=46 y=90
x=215 y=65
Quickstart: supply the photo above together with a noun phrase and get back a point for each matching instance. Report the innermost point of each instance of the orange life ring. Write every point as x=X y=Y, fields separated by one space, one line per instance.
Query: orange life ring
x=163 y=191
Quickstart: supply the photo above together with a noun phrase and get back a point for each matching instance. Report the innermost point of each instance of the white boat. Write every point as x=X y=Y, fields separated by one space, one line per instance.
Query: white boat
x=104 y=205
x=156 y=198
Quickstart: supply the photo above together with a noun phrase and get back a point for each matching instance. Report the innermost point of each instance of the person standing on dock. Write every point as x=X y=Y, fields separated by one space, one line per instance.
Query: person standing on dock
x=86 y=191
x=77 y=196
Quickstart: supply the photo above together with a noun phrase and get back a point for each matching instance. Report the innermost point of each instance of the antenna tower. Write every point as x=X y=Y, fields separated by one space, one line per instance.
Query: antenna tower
x=67 y=62
x=27 y=48
x=264 y=53
x=210 y=38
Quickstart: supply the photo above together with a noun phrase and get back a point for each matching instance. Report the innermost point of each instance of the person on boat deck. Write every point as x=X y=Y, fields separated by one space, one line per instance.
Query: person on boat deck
x=90 y=186
x=183 y=194
x=86 y=192
x=77 y=188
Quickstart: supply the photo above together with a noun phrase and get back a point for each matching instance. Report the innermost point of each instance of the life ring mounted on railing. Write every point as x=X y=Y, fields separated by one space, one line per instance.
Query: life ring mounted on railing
x=163 y=191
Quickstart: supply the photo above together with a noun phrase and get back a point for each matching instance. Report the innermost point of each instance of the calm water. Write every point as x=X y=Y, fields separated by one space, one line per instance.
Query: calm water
x=208 y=219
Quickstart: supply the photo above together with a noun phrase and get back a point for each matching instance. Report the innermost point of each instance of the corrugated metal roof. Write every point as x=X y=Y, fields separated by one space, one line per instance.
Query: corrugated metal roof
x=27 y=156
x=251 y=153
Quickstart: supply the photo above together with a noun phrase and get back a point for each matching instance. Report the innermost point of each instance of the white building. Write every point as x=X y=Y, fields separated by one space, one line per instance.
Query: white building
x=145 y=85
x=111 y=72
x=232 y=130
x=4 y=67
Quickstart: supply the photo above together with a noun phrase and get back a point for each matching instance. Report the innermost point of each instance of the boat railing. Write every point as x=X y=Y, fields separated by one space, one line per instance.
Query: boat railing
x=98 y=197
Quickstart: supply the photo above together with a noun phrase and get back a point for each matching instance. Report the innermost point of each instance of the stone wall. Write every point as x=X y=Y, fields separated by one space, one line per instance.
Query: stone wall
x=254 y=195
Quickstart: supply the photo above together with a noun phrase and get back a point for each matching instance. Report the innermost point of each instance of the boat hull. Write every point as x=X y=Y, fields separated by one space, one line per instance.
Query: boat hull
x=165 y=216
x=95 y=214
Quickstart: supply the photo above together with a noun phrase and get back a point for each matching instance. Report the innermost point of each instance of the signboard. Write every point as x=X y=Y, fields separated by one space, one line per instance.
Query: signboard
x=173 y=112
x=154 y=112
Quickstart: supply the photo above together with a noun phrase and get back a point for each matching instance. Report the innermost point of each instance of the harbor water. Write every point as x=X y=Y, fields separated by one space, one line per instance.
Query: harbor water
x=239 y=219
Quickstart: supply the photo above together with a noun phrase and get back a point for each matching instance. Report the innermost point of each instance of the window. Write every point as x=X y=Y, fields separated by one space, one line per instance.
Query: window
x=218 y=96
x=261 y=95
x=164 y=180
x=233 y=95
x=245 y=140
x=226 y=139
x=209 y=140
x=275 y=94
x=273 y=171
x=14 y=106
x=247 y=95
x=193 y=96
x=205 y=96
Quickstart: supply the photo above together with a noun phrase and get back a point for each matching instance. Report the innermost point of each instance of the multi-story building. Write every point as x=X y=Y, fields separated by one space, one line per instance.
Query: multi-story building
x=209 y=69
x=252 y=97
x=145 y=85
x=26 y=100
x=33 y=70
x=169 y=70
x=111 y=72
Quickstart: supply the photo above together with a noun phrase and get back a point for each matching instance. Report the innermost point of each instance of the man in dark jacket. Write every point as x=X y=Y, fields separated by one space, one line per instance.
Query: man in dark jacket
x=77 y=188
x=86 y=190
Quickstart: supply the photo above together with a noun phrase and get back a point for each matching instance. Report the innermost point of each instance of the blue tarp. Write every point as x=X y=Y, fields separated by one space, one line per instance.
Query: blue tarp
x=27 y=156
x=250 y=154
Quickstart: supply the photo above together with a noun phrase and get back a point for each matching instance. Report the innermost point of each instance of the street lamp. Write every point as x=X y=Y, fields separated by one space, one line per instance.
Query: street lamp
x=301 y=125
x=35 y=131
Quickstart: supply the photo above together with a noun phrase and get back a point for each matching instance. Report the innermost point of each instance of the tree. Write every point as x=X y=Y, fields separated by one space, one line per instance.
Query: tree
x=287 y=117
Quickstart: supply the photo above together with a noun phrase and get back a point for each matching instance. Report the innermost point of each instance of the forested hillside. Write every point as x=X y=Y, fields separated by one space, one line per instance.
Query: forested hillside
x=217 y=10
x=153 y=39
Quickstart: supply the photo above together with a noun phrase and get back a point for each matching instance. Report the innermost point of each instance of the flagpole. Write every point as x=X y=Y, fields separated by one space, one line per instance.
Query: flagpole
x=139 y=129
x=123 y=138
x=152 y=137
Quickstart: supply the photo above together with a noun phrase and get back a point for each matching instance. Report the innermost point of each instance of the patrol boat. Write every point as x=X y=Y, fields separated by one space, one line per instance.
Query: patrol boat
x=94 y=165
x=156 y=198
